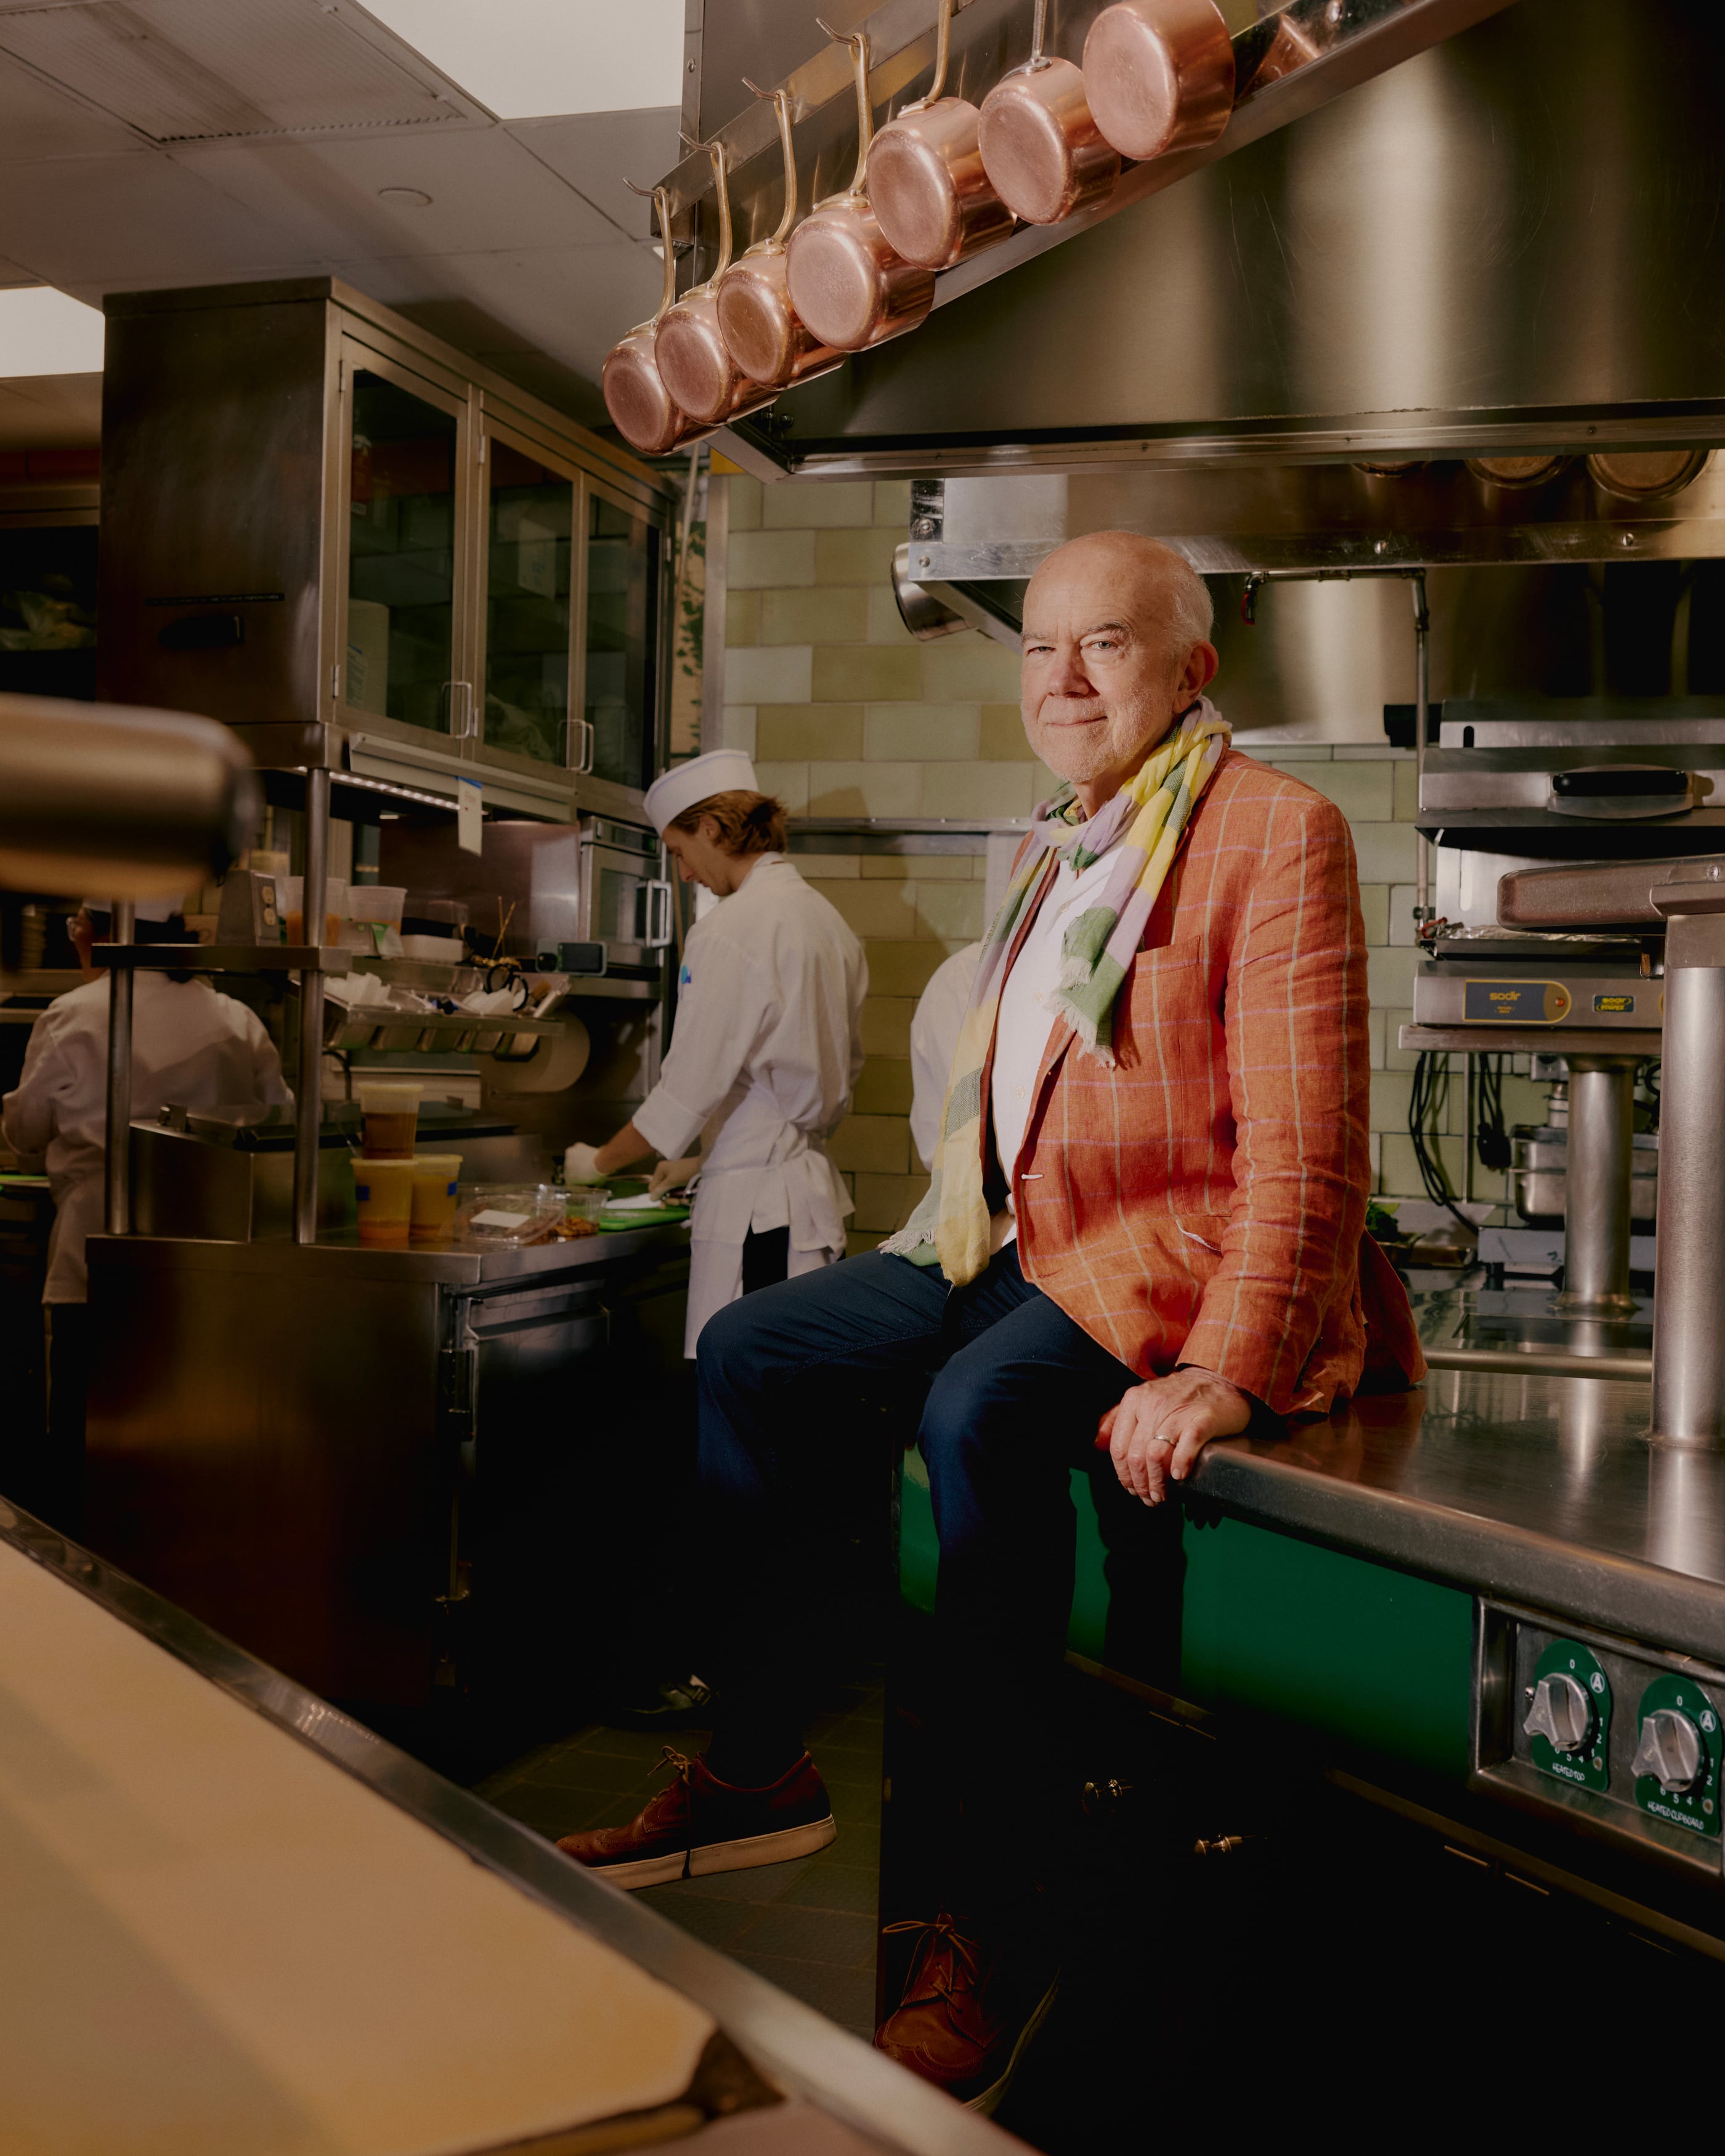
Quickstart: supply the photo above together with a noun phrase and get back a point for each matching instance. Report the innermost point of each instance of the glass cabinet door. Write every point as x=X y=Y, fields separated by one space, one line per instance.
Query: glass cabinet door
x=531 y=515
x=399 y=660
x=621 y=640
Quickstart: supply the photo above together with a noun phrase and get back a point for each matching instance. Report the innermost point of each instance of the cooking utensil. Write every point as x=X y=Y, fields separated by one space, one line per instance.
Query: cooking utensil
x=847 y=280
x=694 y=361
x=926 y=178
x=761 y=330
x=1041 y=148
x=645 y=413
x=1160 y=76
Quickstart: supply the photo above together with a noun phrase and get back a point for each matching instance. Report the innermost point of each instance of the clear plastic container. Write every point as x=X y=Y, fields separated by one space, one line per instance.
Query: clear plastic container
x=391 y=1109
x=509 y=1211
x=291 y=904
x=586 y=1201
x=436 y=1178
x=377 y=901
x=383 y=1192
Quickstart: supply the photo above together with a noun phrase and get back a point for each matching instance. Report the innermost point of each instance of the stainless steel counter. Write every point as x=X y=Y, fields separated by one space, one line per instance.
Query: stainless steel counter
x=339 y=1254
x=816 y=2066
x=1540 y=1489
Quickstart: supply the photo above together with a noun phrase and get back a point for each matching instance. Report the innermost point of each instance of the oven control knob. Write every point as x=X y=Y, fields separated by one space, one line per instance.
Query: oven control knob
x=1562 y=1713
x=1669 y=1749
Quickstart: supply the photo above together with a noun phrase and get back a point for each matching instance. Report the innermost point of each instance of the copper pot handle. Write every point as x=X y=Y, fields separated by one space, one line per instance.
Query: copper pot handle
x=1039 y=27
x=722 y=188
x=858 y=41
x=782 y=106
x=660 y=199
x=943 y=49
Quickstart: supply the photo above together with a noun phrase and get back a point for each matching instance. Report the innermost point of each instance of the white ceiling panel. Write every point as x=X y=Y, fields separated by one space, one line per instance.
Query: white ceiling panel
x=526 y=57
x=124 y=223
x=596 y=151
x=572 y=304
x=38 y=121
x=51 y=411
x=180 y=69
x=487 y=192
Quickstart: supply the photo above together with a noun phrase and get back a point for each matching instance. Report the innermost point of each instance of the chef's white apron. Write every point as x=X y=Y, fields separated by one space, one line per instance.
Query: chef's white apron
x=783 y=1179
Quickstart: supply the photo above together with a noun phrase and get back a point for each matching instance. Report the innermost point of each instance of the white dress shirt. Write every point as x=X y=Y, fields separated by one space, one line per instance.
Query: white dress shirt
x=188 y=1045
x=761 y=1066
x=1026 y=1018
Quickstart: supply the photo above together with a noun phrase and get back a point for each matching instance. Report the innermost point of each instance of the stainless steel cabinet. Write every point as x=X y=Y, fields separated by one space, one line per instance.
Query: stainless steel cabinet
x=363 y=550
x=320 y=1448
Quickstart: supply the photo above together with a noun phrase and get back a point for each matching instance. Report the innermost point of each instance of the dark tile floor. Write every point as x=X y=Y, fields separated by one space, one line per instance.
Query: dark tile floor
x=808 y=1926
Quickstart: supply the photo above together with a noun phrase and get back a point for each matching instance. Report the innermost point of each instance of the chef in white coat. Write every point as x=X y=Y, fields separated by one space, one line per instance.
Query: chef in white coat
x=766 y=1050
x=189 y=1044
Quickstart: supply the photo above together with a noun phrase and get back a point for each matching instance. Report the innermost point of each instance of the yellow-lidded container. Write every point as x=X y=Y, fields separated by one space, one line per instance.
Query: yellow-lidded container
x=383 y=1190
x=435 y=1178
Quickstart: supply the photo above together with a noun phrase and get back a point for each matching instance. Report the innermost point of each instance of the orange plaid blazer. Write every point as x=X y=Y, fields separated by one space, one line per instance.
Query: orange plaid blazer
x=1204 y=1201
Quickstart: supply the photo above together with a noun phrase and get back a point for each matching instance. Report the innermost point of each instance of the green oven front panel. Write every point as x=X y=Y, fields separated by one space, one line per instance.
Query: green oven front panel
x=1375 y=1657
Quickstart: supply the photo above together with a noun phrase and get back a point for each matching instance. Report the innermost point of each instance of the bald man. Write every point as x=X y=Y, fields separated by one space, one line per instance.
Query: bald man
x=1145 y=1231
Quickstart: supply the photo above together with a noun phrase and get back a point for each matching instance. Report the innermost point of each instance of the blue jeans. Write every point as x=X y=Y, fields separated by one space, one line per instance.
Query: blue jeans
x=1011 y=1391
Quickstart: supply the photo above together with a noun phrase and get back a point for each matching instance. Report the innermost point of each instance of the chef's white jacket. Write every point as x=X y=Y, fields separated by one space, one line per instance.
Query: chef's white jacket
x=934 y=1039
x=188 y=1045
x=761 y=1065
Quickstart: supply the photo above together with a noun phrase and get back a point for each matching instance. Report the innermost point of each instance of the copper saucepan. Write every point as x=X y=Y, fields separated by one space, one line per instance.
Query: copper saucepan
x=1160 y=76
x=643 y=409
x=1042 y=151
x=761 y=327
x=694 y=363
x=847 y=281
x=926 y=184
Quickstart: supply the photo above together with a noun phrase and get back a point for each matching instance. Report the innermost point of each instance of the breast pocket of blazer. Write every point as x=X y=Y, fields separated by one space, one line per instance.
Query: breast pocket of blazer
x=1172 y=1025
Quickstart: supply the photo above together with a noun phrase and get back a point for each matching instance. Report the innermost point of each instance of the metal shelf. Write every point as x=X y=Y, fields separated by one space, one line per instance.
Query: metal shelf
x=425 y=1033
x=224 y=958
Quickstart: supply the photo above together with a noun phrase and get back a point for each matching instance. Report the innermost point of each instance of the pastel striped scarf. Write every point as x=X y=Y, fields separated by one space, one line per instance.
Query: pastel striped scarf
x=1142 y=824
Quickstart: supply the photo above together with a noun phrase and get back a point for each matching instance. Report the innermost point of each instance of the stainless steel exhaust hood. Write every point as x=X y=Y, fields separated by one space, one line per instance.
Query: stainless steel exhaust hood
x=1505 y=242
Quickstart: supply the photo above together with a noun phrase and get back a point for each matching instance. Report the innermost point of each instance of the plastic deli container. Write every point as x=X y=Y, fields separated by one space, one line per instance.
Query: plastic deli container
x=505 y=1212
x=391 y=1109
x=291 y=904
x=435 y=1178
x=383 y=1191
x=586 y=1201
x=377 y=901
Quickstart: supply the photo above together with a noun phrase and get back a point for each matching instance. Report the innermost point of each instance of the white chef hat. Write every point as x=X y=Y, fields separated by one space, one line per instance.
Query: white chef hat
x=143 y=909
x=720 y=770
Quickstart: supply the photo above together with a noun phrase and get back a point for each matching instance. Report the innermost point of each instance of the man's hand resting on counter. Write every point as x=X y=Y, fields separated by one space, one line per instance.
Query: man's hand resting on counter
x=1161 y=1426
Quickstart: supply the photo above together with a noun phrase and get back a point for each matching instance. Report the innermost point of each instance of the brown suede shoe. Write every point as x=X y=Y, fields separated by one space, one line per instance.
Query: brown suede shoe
x=700 y=1824
x=970 y=2008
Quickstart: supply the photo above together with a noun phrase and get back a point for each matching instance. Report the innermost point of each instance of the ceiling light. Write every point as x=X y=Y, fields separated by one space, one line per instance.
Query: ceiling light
x=44 y=332
x=528 y=59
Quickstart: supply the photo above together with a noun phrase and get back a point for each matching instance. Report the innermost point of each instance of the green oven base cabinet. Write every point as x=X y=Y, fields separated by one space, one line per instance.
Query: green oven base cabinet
x=1374 y=1657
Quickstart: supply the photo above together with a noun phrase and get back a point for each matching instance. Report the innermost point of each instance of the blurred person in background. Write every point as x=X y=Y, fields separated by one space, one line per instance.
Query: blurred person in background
x=190 y=1046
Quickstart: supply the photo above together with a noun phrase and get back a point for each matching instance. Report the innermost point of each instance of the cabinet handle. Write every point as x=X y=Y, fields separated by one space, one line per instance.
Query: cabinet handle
x=583 y=761
x=658 y=914
x=462 y=711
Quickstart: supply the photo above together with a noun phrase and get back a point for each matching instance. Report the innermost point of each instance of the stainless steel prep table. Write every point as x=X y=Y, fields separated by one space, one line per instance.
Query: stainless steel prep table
x=242 y=1923
x=1540 y=1489
x=300 y=1443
